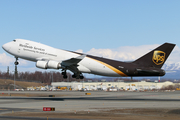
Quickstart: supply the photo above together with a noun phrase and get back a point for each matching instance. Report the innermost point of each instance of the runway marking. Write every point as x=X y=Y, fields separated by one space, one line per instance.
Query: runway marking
x=3 y=109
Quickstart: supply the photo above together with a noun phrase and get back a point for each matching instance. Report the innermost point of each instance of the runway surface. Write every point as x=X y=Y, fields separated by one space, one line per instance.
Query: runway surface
x=72 y=102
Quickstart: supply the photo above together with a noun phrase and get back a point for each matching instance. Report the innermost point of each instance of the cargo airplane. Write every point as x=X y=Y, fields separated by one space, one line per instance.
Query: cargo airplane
x=47 y=57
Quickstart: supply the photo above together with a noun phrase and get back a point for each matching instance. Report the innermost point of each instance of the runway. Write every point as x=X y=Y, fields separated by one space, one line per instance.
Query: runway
x=78 y=102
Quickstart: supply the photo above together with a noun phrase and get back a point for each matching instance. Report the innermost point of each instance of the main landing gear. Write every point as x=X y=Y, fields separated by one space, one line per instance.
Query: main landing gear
x=64 y=74
x=80 y=76
x=16 y=62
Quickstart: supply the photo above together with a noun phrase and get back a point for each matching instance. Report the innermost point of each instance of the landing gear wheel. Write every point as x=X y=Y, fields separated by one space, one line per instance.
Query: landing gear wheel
x=81 y=76
x=63 y=73
x=16 y=63
x=65 y=76
x=74 y=76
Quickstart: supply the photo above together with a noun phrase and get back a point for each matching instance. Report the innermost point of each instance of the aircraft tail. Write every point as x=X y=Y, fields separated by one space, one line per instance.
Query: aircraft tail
x=157 y=57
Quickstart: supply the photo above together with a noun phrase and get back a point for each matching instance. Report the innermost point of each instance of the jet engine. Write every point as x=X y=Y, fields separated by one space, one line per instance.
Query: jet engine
x=54 y=64
x=48 y=64
x=41 y=64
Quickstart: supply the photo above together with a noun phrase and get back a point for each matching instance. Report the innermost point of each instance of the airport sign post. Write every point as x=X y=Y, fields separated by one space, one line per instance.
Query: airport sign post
x=14 y=80
x=52 y=79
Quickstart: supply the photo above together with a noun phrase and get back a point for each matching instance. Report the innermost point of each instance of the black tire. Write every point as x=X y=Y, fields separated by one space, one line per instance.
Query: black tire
x=16 y=63
x=81 y=77
x=73 y=76
x=65 y=76
x=63 y=73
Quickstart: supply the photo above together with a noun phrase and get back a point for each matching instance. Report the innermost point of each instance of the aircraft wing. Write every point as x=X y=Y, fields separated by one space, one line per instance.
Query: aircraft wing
x=72 y=61
x=72 y=64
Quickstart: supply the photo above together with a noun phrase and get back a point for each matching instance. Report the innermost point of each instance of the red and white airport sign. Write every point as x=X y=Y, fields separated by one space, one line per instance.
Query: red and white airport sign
x=48 y=109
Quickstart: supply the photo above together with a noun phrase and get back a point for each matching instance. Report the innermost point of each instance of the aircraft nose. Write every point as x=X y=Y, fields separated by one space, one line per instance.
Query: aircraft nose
x=6 y=47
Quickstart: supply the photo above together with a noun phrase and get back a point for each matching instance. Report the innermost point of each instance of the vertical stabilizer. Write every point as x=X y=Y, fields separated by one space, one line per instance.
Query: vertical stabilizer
x=157 y=57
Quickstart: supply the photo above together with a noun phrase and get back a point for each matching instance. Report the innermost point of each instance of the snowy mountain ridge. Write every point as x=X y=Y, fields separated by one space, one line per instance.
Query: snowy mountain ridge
x=173 y=66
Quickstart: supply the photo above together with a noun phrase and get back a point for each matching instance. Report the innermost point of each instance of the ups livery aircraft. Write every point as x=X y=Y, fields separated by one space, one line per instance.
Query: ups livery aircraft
x=47 y=57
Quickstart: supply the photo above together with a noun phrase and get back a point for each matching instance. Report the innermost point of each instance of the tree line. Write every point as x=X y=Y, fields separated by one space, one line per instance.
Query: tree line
x=37 y=76
x=48 y=77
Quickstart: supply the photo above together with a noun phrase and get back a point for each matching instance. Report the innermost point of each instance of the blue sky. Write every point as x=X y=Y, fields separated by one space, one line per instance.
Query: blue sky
x=87 y=24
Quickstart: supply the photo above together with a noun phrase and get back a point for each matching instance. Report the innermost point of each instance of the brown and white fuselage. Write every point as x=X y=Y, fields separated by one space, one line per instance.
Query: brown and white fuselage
x=47 y=57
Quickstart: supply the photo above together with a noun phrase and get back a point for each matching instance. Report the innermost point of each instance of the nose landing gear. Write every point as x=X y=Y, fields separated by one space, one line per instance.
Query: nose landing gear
x=16 y=62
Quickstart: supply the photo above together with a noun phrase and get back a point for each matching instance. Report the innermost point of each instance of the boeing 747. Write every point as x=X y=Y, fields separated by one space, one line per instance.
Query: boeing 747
x=47 y=57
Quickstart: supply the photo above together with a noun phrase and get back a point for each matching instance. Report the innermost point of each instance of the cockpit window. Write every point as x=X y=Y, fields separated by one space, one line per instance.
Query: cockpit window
x=14 y=40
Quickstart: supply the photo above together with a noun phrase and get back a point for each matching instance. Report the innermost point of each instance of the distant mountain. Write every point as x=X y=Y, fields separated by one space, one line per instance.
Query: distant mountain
x=173 y=66
x=175 y=74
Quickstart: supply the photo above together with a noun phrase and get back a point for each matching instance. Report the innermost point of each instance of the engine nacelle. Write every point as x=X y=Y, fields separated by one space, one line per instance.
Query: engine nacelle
x=48 y=64
x=54 y=65
x=41 y=64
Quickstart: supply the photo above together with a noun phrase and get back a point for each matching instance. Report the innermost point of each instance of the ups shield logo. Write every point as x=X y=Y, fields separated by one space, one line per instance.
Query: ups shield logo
x=158 y=57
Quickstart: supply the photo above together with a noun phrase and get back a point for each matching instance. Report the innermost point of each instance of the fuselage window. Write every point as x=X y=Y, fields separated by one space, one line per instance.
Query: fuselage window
x=14 y=40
